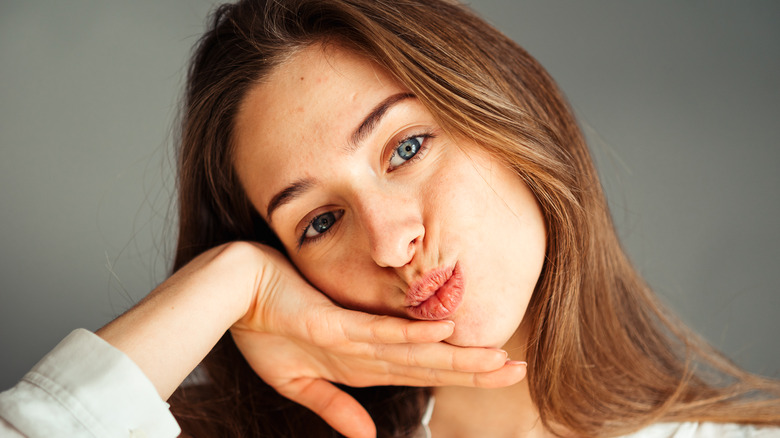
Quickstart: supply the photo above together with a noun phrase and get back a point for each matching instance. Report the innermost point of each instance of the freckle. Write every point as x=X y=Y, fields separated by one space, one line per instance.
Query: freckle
x=301 y=77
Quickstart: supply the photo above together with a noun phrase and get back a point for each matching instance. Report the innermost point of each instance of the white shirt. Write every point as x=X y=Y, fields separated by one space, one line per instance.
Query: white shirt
x=87 y=388
x=663 y=430
x=705 y=430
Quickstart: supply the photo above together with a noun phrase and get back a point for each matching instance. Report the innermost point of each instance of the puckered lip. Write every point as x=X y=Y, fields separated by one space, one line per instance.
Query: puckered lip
x=436 y=295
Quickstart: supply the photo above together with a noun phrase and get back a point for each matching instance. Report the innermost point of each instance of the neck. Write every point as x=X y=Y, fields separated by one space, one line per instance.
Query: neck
x=462 y=412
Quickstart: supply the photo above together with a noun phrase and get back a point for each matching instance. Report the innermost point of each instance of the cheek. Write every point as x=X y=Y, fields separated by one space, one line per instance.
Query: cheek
x=347 y=278
x=495 y=224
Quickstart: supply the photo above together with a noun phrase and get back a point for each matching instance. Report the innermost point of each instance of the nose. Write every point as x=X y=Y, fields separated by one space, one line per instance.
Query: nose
x=394 y=227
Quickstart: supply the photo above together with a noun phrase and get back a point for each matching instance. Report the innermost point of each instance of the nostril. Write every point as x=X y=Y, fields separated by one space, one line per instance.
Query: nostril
x=411 y=249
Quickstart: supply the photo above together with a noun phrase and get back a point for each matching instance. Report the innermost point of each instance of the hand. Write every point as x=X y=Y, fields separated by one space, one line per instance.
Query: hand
x=298 y=342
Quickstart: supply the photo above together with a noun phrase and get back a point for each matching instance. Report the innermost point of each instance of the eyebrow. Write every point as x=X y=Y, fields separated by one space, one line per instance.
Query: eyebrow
x=373 y=118
x=297 y=188
x=288 y=194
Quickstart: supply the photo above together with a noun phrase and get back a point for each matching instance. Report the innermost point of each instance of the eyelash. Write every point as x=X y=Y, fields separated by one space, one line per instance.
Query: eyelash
x=418 y=155
x=303 y=240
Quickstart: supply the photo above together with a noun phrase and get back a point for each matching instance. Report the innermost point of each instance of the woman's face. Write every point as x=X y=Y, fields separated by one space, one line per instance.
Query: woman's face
x=378 y=207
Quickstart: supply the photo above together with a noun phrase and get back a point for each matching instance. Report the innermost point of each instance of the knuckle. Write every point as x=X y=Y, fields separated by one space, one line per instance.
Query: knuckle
x=379 y=352
x=359 y=350
x=375 y=333
x=455 y=362
x=486 y=380
x=432 y=378
x=406 y=336
x=411 y=357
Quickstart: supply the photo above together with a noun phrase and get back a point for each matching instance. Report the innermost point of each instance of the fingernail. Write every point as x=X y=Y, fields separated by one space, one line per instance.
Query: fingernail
x=449 y=324
x=516 y=362
x=445 y=327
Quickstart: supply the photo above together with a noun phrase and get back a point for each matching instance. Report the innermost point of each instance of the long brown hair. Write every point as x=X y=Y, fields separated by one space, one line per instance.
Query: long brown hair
x=604 y=357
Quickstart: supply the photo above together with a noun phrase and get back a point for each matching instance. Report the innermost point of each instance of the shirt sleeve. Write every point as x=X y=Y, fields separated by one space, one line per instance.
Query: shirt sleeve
x=85 y=388
x=705 y=430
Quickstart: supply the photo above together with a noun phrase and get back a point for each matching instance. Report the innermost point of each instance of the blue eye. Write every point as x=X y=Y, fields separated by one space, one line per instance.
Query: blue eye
x=406 y=150
x=321 y=224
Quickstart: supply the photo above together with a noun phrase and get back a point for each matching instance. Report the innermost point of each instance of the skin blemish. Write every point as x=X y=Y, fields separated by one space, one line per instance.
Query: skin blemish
x=434 y=197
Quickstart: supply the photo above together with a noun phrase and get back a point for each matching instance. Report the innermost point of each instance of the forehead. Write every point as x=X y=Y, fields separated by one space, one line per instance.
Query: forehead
x=306 y=109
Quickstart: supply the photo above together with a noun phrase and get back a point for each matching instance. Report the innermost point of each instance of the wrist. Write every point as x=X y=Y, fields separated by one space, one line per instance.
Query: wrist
x=169 y=332
x=250 y=306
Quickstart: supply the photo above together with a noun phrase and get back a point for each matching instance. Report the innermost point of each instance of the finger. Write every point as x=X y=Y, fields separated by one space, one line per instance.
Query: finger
x=336 y=407
x=511 y=373
x=364 y=327
x=441 y=356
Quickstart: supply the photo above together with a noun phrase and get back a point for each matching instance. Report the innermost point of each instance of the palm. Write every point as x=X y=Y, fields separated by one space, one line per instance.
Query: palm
x=299 y=342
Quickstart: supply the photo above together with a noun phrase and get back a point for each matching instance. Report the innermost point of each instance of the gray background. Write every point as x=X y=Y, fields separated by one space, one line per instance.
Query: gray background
x=681 y=102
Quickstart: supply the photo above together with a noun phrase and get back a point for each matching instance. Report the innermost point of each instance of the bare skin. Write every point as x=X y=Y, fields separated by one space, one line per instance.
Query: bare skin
x=506 y=412
x=254 y=290
x=396 y=218
x=381 y=198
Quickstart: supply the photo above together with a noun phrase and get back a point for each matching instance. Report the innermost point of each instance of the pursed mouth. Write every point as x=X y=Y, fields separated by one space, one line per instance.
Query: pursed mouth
x=426 y=287
x=437 y=295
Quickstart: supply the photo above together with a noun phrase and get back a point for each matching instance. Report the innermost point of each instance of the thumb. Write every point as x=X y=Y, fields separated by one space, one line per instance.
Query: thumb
x=340 y=410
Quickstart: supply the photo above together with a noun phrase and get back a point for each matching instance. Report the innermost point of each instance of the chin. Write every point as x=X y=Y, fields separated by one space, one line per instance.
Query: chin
x=480 y=335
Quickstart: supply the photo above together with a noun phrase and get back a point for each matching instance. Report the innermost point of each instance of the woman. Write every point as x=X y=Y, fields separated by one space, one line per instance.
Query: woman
x=429 y=172
x=603 y=358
